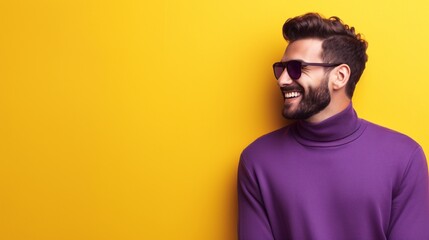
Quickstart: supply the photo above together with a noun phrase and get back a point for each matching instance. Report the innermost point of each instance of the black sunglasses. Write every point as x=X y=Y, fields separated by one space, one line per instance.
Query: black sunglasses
x=294 y=68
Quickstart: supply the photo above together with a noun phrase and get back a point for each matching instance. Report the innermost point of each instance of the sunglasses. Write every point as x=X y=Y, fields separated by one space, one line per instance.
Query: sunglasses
x=294 y=68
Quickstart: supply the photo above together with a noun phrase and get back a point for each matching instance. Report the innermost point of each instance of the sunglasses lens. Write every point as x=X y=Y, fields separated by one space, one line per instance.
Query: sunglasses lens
x=294 y=69
x=278 y=70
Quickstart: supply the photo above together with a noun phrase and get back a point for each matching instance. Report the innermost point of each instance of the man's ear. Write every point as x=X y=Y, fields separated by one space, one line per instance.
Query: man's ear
x=341 y=76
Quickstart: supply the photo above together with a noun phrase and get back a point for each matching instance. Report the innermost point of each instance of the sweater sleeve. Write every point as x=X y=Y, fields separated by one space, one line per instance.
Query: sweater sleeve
x=253 y=223
x=410 y=206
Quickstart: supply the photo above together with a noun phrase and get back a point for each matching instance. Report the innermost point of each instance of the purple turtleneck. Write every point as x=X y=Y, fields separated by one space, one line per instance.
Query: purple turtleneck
x=341 y=179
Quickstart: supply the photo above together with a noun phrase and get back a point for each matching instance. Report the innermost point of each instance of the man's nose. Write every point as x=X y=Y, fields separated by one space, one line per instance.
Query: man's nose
x=284 y=79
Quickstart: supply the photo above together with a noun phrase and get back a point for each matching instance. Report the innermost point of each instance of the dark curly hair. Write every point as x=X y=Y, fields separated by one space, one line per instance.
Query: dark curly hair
x=340 y=42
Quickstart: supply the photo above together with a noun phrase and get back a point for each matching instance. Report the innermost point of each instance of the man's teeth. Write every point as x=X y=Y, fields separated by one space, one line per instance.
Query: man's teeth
x=292 y=94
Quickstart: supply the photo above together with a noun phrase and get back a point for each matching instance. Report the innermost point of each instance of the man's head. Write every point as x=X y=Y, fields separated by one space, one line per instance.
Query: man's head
x=339 y=55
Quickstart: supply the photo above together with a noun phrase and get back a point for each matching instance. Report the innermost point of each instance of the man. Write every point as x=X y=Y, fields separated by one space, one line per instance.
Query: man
x=330 y=175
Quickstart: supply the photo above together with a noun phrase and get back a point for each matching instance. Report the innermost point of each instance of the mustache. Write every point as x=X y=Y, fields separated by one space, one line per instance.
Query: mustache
x=292 y=88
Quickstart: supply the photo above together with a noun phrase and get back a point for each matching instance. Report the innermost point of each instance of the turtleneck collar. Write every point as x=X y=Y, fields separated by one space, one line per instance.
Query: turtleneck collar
x=336 y=130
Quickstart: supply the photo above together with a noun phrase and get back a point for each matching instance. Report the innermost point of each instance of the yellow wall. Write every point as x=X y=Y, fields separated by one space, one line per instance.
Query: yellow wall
x=125 y=119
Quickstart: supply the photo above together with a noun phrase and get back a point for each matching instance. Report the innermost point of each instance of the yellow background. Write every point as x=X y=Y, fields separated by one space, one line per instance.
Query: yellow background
x=125 y=119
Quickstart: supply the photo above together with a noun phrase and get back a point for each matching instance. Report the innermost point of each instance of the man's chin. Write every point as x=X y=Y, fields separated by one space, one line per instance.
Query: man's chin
x=295 y=113
x=289 y=113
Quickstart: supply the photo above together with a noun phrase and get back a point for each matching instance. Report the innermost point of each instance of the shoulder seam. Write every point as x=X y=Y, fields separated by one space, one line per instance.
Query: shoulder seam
x=407 y=167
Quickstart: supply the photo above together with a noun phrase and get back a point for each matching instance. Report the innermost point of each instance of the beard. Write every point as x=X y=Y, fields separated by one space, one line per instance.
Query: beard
x=313 y=101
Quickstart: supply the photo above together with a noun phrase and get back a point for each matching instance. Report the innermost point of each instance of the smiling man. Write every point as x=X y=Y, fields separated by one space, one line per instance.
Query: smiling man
x=329 y=175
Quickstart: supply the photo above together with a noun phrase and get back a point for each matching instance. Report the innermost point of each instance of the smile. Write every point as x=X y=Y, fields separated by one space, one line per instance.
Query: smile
x=292 y=94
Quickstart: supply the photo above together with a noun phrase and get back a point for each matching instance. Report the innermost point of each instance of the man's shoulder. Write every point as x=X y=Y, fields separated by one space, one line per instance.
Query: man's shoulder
x=268 y=141
x=264 y=148
x=384 y=134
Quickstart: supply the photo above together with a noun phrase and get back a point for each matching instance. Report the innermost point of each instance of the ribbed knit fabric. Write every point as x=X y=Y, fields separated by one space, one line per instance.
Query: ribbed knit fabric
x=341 y=179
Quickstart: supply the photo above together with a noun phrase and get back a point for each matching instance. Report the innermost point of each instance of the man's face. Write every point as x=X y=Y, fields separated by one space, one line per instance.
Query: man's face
x=309 y=94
